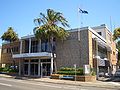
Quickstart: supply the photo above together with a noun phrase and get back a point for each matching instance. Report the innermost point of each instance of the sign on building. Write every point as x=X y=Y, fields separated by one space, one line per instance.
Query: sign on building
x=86 y=69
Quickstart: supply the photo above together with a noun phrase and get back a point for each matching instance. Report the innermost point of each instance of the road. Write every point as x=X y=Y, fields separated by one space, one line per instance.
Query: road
x=16 y=84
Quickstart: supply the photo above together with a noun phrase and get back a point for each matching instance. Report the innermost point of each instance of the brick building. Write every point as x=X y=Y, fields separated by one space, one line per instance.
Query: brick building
x=85 y=46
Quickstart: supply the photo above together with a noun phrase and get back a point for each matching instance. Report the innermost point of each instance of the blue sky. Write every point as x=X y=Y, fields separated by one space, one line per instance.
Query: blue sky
x=20 y=13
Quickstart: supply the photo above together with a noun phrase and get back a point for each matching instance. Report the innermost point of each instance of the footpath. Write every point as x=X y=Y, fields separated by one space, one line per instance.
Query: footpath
x=109 y=84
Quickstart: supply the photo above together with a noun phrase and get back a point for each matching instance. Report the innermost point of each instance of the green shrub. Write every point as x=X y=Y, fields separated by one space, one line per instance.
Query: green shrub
x=70 y=71
x=1 y=69
x=12 y=70
x=6 y=69
x=93 y=73
x=66 y=69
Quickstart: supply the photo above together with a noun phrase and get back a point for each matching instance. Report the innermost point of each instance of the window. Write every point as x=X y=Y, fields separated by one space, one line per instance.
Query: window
x=99 y=33
x=15 y=49
x=113 y=53
x=45 y=46
x=5 y=50
x=34 y=46
x=8 y=50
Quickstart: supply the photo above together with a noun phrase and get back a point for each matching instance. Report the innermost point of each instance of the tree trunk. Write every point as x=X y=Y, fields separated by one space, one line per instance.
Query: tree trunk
x=51 y=49
x=11 y=57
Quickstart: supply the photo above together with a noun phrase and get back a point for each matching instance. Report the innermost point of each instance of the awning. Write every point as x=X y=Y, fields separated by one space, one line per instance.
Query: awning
x=33 y=55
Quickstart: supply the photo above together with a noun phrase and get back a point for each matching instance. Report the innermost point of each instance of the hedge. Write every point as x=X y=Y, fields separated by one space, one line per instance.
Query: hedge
x=70 y=71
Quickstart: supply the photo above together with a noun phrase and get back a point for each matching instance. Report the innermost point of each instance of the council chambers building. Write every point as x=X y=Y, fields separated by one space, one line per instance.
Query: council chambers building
x=91 y=46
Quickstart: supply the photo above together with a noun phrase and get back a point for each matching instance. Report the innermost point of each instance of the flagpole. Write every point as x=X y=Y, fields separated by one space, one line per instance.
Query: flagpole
x=79 y=18
x=111 y=24
x=79 y=24
x=81 y=15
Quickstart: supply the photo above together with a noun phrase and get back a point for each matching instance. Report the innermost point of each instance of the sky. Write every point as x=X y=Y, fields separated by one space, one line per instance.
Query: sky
x=20 y=14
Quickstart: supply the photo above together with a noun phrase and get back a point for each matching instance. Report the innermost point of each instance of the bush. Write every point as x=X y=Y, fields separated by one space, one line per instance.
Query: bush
x=1 y=69
x=5 y=69
x=12 y=70
x=66 y=69
x=70 y=71
x=8 y=70
x=93 y=73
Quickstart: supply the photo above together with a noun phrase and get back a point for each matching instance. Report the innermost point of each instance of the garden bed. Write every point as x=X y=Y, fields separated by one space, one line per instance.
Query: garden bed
x=87 y=78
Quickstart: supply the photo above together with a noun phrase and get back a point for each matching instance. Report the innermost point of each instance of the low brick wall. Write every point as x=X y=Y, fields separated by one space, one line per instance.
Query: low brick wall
x=55 y=76
x=86 y=78
x=78 y=78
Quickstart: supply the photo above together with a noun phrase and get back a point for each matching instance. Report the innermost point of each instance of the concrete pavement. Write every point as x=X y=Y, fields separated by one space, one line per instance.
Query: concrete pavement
x=16 y=84
x=68 y=82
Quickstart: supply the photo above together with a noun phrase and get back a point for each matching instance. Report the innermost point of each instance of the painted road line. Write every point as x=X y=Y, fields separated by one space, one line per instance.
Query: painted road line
x=115 y=83
x=5 y=84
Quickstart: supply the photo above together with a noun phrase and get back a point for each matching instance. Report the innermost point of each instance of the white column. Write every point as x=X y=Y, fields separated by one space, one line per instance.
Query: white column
x=39 y=45
x=19 y=67
x=29 y=45
x=51 y=65
x=39 y=67
x=19 y=59
x=29 y=68
x=20 y=46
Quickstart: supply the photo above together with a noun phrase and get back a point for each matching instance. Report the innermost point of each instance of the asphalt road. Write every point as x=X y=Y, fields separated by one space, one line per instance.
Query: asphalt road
x=16 y=84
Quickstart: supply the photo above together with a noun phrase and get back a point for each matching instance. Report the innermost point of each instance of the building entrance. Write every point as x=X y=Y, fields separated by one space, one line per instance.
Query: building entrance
x=46 y=69
x=37 y=67
x=34 y=69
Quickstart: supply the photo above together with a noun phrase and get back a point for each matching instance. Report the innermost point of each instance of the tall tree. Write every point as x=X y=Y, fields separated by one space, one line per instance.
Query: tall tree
x=10 y=36
x=51 y=26
x=116 y=34
x=118 y=47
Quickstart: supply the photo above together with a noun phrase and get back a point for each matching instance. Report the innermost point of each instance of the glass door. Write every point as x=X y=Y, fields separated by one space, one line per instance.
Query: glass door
x=25 y=69
x=34 y=69
x=46 y=69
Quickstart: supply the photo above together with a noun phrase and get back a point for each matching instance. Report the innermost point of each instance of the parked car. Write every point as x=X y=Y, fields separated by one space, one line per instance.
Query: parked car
x=101 y=74
x=117 y=73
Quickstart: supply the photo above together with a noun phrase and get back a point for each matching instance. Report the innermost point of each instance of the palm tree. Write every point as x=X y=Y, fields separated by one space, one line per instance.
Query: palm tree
x=50 y=27
x=10 y=36
x=116 y=34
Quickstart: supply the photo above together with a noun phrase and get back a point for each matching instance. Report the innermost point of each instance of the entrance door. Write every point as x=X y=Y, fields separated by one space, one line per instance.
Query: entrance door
x=46 y=69
x=34 y=69
x=25 y=69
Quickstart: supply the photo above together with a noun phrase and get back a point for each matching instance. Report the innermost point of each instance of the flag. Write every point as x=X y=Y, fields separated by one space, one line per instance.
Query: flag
x=83 y=11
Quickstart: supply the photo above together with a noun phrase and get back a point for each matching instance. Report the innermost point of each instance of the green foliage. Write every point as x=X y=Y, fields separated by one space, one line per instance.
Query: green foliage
x=8 y=70
x=70 y=71
x=118 y=47
x=50 y=25
x=10 y=35
x=1 y=69
x=93 y=73
x=116 y=34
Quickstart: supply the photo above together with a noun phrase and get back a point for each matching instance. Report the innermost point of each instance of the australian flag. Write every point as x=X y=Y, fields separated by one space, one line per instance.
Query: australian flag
x=83 y=11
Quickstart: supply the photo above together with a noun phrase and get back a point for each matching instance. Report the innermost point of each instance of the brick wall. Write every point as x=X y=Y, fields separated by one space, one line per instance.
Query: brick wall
x=6 y=56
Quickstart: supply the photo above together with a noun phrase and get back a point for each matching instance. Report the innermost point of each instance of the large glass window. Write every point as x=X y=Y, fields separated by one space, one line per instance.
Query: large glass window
x=26 y=46
x=45 y=46
x=34 y=46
